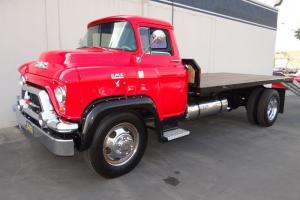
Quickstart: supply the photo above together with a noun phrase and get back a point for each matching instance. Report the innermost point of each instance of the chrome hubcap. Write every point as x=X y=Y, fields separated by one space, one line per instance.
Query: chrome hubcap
x=120 y=144
x=272 y=108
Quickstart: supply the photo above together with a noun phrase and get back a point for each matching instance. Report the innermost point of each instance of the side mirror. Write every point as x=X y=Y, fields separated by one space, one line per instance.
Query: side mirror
x=157 y=37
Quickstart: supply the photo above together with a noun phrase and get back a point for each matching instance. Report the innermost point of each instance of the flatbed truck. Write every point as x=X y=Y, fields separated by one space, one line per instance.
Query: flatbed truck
x=127 y=77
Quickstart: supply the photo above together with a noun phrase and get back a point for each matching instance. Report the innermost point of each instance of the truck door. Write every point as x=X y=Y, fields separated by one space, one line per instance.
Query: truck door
x=161 y=59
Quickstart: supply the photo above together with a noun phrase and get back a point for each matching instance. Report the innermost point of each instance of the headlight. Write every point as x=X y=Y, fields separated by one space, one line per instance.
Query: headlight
x=60 y=95
x=22 y=80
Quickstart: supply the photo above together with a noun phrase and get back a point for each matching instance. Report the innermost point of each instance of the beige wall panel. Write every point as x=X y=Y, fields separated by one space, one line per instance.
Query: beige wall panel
x=159 y=11
x=22 y=38
x=73 y=19
x=243 y=48
x=194 y=32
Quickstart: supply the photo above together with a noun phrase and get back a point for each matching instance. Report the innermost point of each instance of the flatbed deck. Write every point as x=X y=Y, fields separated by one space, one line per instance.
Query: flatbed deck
x=212 y=83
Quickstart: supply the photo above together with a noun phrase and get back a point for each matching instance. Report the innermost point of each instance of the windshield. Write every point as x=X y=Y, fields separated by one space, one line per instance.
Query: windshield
x=115 y=35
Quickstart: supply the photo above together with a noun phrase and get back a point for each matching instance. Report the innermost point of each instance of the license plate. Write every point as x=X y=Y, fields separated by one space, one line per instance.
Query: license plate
x=29 y=128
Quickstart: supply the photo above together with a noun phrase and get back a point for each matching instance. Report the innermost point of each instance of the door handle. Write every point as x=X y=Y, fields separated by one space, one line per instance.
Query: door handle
x=175 y=61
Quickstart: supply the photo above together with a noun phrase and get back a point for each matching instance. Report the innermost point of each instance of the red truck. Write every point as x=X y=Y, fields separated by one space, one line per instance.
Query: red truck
x=126 y=78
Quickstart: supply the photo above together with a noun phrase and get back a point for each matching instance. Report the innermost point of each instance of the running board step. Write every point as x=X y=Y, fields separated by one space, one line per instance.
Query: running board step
x=175 y=133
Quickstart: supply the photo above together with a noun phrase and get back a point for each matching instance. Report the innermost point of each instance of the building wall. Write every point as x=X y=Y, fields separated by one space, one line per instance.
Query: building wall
x=32 y=26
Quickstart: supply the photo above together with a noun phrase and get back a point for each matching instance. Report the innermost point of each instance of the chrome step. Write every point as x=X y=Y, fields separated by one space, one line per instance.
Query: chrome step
x=175 y=133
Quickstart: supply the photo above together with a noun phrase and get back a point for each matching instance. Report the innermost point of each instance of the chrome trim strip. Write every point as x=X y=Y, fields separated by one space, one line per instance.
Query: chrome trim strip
x=57 y=146
x=62 y=127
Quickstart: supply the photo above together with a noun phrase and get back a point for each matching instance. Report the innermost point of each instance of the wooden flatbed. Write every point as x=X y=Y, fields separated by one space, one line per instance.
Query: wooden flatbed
x=213 y=83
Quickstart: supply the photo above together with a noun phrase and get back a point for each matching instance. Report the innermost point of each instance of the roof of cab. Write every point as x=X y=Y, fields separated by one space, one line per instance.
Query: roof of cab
x=131 y=18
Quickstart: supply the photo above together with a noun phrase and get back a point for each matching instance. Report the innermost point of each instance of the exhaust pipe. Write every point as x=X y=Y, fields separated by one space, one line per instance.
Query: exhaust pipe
x=200 y=109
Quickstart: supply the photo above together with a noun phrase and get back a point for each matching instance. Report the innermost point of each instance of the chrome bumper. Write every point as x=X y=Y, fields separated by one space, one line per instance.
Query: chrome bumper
x=57 y=146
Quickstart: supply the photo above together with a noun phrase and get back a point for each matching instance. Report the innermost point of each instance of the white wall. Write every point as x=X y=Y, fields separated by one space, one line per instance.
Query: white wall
x=222 y=45
x=29 y=27
x=22 y=38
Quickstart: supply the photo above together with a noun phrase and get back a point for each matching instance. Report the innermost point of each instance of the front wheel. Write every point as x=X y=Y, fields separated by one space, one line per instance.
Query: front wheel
x=118 y=145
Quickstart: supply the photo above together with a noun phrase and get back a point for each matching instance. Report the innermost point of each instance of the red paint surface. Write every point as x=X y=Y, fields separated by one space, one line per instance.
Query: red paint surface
x=296 y=77
x=278 y=85
x=86 y=74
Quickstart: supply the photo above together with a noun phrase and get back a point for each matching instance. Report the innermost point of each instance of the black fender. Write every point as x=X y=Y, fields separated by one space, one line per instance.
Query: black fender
x=99 y=110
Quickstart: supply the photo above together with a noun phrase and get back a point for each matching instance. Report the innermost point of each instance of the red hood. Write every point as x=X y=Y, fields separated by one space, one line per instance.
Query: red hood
x=58 y=61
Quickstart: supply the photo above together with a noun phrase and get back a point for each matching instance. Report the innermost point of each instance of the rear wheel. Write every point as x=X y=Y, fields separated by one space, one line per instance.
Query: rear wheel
x=118 y=145
x=252 y=105
x=268 y=107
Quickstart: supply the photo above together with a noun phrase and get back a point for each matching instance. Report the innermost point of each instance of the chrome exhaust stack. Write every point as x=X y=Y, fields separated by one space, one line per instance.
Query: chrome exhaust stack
x=196 y=110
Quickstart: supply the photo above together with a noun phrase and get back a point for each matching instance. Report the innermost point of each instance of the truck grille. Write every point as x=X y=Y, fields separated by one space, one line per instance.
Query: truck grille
x=33 y=101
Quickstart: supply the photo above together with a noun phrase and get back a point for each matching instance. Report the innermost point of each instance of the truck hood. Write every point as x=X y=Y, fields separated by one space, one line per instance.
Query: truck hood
x=52 y=63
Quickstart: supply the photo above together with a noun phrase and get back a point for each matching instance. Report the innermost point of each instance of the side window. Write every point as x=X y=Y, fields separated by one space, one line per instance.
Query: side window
x=161 y=47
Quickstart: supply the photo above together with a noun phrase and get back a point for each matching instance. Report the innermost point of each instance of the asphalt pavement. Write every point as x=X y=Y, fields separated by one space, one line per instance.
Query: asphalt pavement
x=223 y=158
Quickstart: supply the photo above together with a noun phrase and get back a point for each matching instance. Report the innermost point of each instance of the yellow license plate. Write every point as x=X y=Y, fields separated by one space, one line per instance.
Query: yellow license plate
x=28 y=127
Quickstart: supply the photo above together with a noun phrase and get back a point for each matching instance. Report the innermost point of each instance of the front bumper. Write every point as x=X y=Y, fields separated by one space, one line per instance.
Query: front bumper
x=58 y=146
x=36 y=115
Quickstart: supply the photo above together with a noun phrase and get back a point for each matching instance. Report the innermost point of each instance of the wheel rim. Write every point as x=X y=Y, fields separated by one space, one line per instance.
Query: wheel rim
x=272 y=108
x=120 y=144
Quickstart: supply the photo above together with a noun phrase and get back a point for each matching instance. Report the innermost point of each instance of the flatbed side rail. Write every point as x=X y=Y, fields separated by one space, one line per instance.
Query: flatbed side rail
x=213 y=83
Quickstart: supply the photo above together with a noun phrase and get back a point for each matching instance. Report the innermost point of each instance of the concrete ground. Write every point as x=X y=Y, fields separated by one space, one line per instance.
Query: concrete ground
x=223 y=158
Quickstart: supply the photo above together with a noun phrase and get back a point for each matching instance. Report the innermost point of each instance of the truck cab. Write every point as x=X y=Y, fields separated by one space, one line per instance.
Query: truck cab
x=135 y=37
x=125 y=78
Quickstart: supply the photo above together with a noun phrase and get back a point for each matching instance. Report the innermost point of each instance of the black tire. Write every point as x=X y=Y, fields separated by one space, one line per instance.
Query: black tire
x=252 y=104
x=262 y=109
x=95 y=155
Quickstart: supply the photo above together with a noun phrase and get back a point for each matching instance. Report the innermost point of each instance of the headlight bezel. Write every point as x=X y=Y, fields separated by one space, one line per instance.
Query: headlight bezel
x=60 y=94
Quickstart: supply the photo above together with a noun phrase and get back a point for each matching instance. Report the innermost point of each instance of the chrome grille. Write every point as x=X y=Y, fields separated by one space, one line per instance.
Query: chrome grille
x=33 y=101
x=36 y=104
